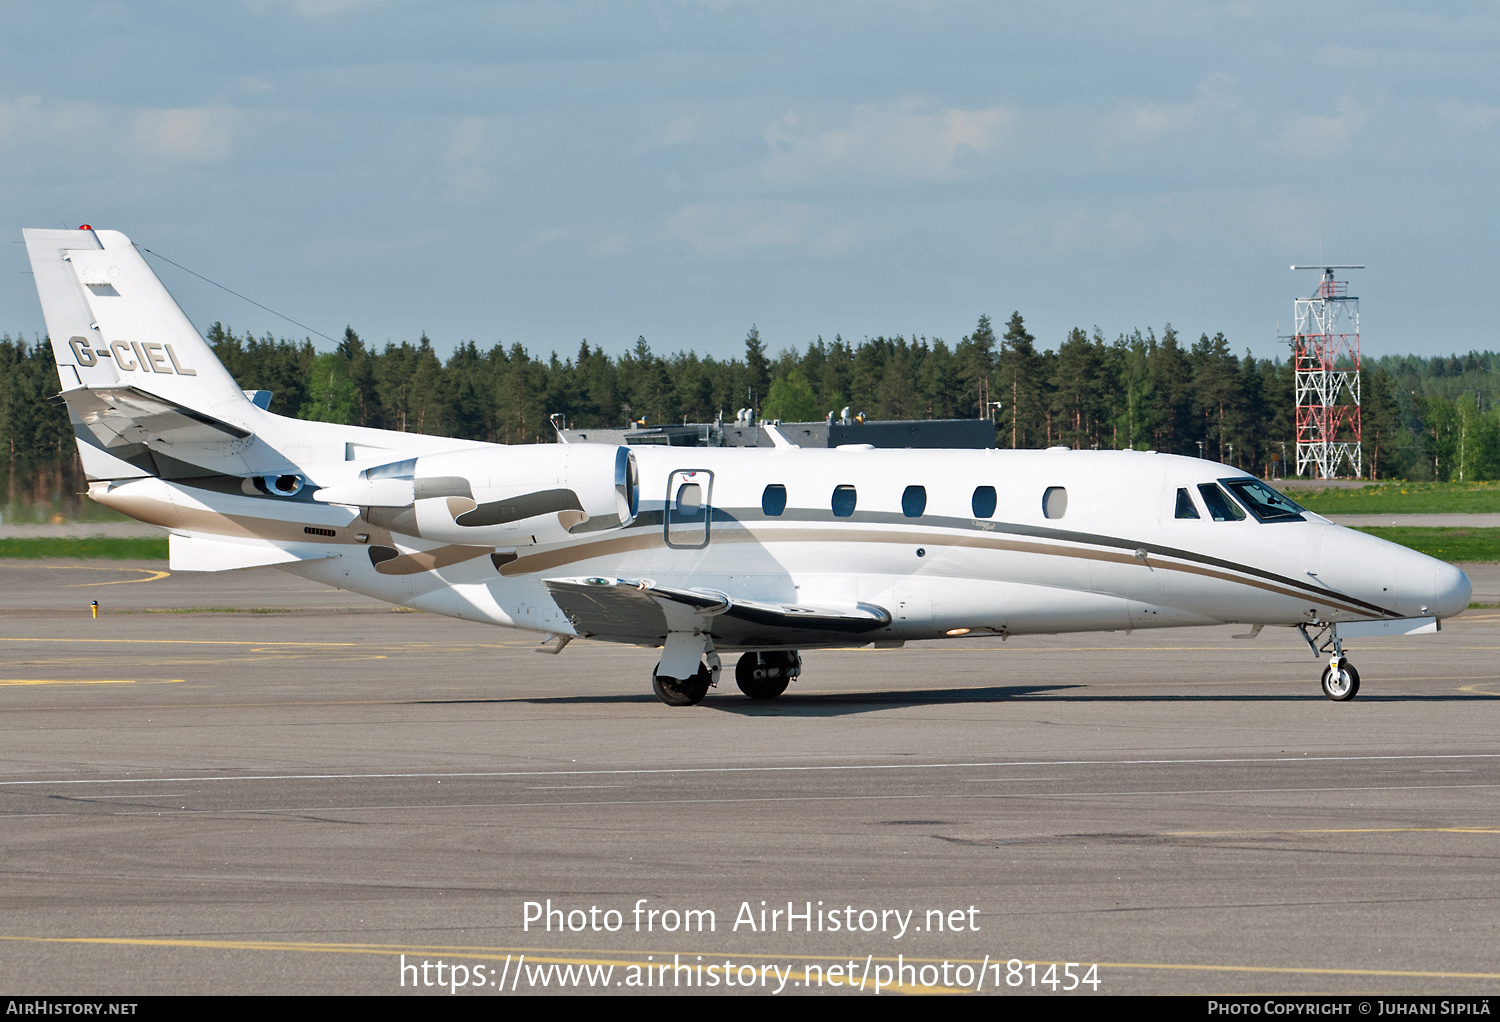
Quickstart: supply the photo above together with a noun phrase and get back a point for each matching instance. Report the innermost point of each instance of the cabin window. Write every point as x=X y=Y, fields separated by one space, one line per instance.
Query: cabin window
x=1055 y=502
x=689 y=499
x=844 y=499
x=1220 y=507
x=914 y=501
x=1185 y=506
x=984 y=501
x=1264 y=503
x=773 y=500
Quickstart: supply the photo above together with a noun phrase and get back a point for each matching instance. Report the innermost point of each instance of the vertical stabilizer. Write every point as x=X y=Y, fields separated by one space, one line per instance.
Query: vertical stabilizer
x=138 y=379
x=113 y=325
x=145 y=392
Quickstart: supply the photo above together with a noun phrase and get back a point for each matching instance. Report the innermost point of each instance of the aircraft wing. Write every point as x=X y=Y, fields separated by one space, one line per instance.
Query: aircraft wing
x=640 y=611
x=119 y=416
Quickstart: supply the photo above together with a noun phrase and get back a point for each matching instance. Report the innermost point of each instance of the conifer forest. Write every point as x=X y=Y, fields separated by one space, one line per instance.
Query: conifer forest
x=1424 y=417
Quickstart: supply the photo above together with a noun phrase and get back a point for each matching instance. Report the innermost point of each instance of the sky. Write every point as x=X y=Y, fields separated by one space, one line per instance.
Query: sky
x=683 y=170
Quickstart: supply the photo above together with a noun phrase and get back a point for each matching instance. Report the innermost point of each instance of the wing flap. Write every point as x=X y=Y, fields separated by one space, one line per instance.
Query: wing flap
x=639 y=610
x=615 y=610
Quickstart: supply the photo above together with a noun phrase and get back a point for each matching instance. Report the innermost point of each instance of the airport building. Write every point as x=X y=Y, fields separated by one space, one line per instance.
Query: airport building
x=972 y=434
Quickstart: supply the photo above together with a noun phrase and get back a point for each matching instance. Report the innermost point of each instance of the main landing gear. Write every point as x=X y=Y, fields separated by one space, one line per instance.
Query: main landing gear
x=679 y=691
x=759 y=676
x=766 y=675
x=1340 y=678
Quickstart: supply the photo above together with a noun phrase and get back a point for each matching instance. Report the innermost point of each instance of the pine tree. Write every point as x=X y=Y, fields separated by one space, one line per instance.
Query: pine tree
x=758 y=379
x=1020 y=373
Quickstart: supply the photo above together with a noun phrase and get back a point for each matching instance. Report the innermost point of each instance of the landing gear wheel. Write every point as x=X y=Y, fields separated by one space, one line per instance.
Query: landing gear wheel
x=677 y=692
x=1340 y=685
x=766 y=675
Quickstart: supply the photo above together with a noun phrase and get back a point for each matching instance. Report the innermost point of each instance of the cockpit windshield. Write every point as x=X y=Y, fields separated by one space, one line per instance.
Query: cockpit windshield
x=1263 y=502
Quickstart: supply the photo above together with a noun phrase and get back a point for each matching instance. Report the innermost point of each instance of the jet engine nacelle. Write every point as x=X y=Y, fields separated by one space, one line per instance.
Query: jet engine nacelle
x=505 y=496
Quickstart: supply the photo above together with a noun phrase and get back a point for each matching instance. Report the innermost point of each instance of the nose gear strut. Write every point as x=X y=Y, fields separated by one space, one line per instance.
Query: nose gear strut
x=1340 y=680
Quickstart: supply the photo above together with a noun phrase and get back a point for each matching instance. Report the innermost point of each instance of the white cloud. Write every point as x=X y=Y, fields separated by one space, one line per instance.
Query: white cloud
x=1138 y=123
x=1073 y=233
x=1469 y=116
x=314 y=8
x=200 y=136
x=347 y=250
x=13 y=113
x=904 y=141
x=715 y=230
x=38 y=122
x=598 y=242
x=1129 y=230
x=712 y=229
x=681 y=129
x=1325 y=134
x=467 y=139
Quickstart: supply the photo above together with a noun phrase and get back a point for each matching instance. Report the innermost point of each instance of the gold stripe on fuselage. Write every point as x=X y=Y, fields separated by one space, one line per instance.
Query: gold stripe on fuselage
x=652 y=539
x=159 y=512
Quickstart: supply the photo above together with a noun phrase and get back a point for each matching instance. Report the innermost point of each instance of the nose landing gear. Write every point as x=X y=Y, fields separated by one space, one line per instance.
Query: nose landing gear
x=1340 y=680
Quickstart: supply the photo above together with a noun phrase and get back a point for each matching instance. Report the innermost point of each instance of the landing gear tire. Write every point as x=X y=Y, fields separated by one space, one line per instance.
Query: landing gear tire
x=766 y=675
x=679 y=692
x=1340 y=685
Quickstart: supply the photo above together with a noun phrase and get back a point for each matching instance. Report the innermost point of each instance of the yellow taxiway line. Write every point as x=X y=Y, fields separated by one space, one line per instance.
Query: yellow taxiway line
x=600 y=956
x=152 y=574
x=87 y=681
x=1337 y=830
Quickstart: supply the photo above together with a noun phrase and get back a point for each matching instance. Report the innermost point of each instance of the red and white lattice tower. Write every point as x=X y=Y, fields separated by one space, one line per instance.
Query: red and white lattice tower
x=1325 y=348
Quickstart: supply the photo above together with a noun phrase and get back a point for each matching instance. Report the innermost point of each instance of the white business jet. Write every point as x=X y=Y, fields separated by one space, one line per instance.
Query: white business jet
x=699 y=551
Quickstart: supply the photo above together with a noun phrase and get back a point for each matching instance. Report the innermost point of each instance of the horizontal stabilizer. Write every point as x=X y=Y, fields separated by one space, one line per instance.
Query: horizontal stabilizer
x=120 y=416
x=639 y=610
x=200 y=553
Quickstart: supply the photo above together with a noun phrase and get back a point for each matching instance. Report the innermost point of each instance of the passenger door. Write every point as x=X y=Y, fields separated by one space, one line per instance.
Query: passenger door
x=689 y=508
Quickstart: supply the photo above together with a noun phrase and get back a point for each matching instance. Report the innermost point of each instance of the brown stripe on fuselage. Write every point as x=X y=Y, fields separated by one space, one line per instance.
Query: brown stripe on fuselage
x=173 y=516
x=431 y=560
x=154 y=511
x=603 y=548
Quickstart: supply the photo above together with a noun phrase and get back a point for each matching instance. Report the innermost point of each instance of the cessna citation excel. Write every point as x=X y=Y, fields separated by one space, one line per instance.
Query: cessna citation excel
x=699 y=551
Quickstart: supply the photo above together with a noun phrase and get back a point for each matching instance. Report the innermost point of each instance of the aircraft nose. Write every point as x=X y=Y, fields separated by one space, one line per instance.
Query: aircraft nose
x=1451 y=590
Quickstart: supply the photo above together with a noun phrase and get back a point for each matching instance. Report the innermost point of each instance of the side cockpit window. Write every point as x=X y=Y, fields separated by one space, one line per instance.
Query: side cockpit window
x=1185 y=506
x=1220 y=507
x=1264 y=503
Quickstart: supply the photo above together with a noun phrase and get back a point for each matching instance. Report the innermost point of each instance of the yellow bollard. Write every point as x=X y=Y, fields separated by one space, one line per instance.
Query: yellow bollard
x=95 y=608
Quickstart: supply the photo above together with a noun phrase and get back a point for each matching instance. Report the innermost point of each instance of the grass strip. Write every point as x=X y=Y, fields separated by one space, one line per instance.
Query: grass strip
x=1399 y=498
x=87 y=548
x=1451 y=544
x=211 y=610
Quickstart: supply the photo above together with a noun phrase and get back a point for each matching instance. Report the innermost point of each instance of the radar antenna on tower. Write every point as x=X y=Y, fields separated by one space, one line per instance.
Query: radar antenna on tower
x=1325 y=355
